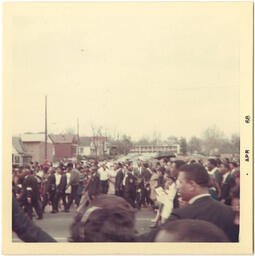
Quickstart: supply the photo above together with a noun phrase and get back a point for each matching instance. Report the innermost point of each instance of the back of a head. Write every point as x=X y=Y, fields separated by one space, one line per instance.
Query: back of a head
x=109 y=218
x=189 y=230
x=197 y=173
x=105 y=225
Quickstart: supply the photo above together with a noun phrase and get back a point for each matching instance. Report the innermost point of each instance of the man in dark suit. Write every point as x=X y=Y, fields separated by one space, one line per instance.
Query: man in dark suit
x=60 y=188
x=31 y=195
x=93 y=187
x=119 y=181
x=130 y=186
x=227 y=183
x=192 y=184
x=52 y=190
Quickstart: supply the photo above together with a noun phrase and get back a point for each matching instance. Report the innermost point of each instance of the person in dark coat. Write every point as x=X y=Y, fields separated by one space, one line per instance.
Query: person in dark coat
x=119 y=181
x=31 y=195
x=227 y=183
x=60 y=189
x=192 y=184
x=25 y=229
x=93 y=186
x=45 y=188
x=52 y=190
x=130 y=186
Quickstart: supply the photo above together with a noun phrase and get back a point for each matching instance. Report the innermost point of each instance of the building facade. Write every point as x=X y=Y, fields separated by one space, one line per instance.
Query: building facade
x=95 y=146
x=175 y=149
x=65 y=146
x=20 y=157
x=34 y=144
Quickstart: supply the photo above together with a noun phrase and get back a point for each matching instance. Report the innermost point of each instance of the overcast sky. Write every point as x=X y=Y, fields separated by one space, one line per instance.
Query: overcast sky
x=136 y=70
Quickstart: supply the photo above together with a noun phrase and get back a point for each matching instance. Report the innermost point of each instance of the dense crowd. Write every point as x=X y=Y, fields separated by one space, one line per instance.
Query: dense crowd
x=191 y=194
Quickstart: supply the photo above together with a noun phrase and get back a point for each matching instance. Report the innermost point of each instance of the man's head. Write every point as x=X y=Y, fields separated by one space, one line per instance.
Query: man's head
x=233 y=165
x=105 y=225
x=59 y=170
x=189 y=230
x=109 y=218
x=176 y=165
x=69 y=166
x=212 y=163
x=192 y=180
x=224 y=168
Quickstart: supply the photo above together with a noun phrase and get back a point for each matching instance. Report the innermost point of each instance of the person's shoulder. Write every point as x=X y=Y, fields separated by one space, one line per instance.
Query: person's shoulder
x=226 y=209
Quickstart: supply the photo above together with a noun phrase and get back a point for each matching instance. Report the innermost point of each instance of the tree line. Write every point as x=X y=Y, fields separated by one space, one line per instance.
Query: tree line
x=212 y=142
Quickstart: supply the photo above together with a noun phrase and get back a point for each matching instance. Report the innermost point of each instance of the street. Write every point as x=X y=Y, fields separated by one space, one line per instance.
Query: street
x=57 y=225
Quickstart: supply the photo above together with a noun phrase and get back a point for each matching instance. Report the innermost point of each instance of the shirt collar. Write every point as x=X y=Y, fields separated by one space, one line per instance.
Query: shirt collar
x=214 y=170
x=225 y=176
x=192 y=200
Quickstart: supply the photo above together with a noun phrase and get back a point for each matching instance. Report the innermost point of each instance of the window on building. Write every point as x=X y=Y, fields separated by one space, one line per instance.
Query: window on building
x=81 y=150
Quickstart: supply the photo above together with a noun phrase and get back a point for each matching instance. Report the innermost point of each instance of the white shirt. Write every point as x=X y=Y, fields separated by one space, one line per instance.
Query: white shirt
x=58 y=178
x=212 y=172
x=192 y=200
x=124 y=179
x=225 y=176
x=103 y=174
x=233 y=171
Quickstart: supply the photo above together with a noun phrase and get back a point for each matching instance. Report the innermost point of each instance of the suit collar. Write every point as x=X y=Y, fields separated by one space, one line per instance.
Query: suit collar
x=195 y=198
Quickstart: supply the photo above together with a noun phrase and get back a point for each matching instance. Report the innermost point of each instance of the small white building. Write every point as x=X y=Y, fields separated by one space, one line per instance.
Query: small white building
x=20 y=156
x=92 y=146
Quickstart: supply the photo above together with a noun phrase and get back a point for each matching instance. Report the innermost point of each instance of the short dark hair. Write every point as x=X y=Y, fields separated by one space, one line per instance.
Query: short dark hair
x=212 y=161
x=234 y=164
x=197 y=173
x=70 y=165
x=190 y=230
x=179 y=163
x=145 y=165
x=105 y=225
x=218 y=161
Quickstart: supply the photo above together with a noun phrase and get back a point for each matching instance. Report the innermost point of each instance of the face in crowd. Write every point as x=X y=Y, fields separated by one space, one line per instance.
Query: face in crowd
x=192 y=180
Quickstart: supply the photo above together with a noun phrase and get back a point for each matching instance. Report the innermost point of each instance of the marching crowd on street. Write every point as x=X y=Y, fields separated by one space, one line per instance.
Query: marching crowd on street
x=194 y=201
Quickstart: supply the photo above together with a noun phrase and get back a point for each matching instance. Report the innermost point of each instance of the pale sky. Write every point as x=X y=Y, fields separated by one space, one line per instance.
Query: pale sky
x=137 y=69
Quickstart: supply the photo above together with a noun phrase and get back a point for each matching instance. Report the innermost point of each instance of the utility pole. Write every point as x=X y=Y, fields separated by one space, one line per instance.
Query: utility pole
x=46 y=131
x=78 y=139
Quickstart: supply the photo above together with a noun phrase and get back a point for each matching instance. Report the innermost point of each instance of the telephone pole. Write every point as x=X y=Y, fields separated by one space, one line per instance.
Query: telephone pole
x=78 y=140
x=46 y=131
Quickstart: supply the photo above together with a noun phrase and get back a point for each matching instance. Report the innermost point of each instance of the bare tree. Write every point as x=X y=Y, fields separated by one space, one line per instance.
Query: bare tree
x=98 y=140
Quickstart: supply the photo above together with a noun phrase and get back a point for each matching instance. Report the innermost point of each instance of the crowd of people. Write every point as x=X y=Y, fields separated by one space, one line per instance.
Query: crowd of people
x=188 y=197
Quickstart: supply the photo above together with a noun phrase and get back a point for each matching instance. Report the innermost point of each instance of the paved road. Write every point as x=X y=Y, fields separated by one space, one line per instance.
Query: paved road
x=57 y=225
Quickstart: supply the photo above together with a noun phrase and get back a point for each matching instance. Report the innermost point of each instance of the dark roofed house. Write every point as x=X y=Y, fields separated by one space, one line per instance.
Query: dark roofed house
x=19 y=154
x=65 y=146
